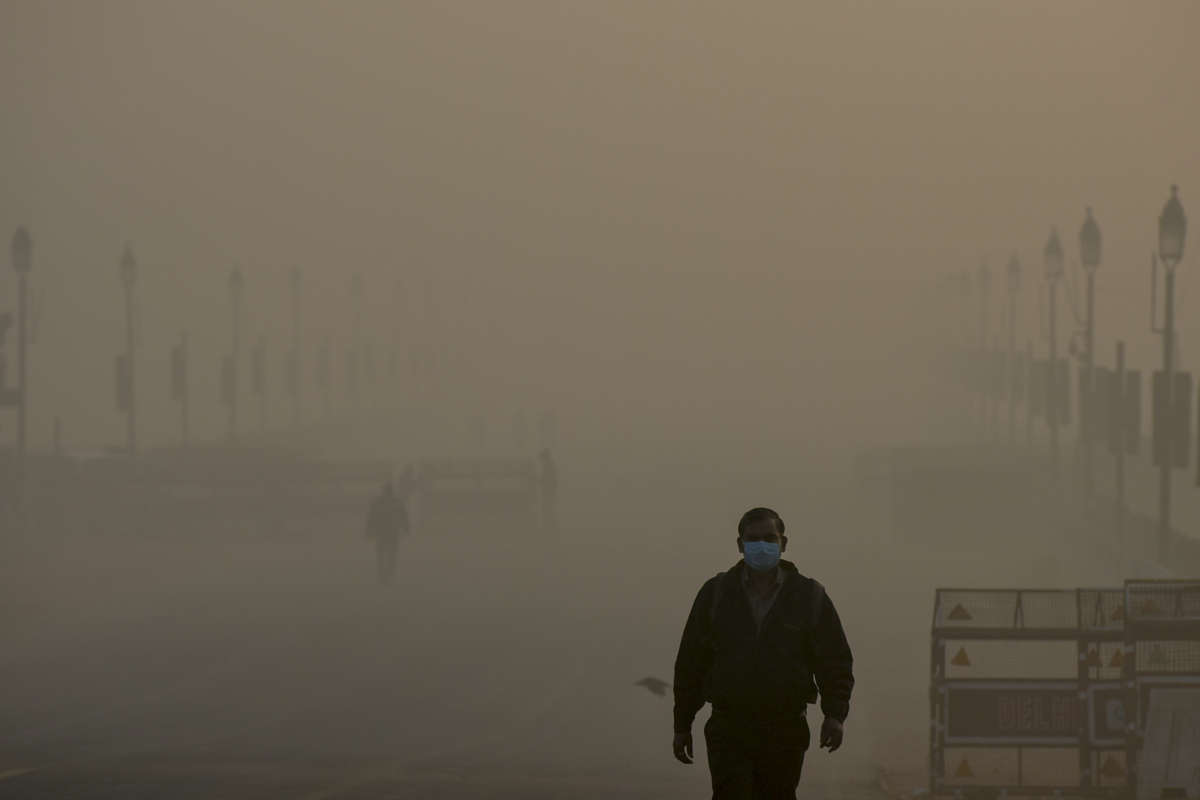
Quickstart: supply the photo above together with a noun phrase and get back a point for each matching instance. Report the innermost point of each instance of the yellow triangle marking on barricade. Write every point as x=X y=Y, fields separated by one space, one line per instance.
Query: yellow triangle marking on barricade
x=964 y=770
x=1117 y=660
x=1093 y=658
x=959 y=613
x=960 y=658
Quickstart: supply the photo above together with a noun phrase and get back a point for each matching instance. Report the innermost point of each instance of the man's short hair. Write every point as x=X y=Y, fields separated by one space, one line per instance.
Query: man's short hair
x=757 y=514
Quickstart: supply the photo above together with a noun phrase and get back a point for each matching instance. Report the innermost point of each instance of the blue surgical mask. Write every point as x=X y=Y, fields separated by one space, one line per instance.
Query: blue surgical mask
x=761 y=556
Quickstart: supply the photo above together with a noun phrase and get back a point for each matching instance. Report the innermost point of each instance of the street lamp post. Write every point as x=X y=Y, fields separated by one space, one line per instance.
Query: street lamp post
x=1014 y=288
x=179 y=383
x=236 y=285
x=354 y=367
x=1172 y=230
x=985 y=285
x=22 y=261
x=1053 y=256
x=1089 y=251
x=294 y=362
x=259 y=366
x=128 y=279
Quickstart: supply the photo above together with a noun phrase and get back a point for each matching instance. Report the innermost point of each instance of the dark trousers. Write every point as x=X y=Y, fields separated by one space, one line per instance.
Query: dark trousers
x=755 y=760
x=385 y=557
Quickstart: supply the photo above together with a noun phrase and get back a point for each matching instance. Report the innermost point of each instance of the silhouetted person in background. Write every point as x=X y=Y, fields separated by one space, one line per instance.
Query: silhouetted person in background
x=548 y=489
x=760 y=643
x=386 y=521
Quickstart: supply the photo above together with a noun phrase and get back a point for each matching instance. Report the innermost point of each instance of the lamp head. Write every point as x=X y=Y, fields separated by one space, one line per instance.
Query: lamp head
x=128 y=267
x=22 y=251
x=1172 y=230
x=1014 y=274
x=1052 y=253
x=1089 y=242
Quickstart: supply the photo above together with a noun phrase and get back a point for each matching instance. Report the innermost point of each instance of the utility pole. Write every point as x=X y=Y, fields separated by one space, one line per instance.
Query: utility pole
x=1014 y=288
x=259 y=366
x=236 y=285
x=985 y=389
x=354 y=363
x=179 y=384
x=1053 y=256
x=1089 y=250
x=128 y=279
x=1117 y=416
x=22 y=261
x=293 y=376
x=1172 y=230
x=1029 y=399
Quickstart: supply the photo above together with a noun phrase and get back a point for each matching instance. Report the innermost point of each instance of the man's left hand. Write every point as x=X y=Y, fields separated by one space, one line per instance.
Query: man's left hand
x=831 y=734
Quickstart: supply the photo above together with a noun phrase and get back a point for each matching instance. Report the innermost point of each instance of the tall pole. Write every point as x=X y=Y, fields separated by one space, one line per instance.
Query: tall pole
x=1089 y=253
x=1014 y=286
x=1052 y=379
x=1172 y=231
x=1012 y=368
x=22 y=261
x=1086 y=406
x=326 y=370
x=1119 y=412
x=1164 y=468
x=22 y=365
x=131 y=415
x=1029 y=399
x=294 y=369
x=128 y=277
x=985 y=388
x=183 y=399
x=260 y=383
x=235 y=290
x=356 y=366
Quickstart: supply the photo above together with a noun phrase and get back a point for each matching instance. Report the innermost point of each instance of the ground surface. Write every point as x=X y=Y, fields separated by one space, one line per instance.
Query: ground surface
x=255 y=664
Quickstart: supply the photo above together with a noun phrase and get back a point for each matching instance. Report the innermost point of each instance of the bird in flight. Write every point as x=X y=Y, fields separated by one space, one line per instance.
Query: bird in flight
x=654 y=685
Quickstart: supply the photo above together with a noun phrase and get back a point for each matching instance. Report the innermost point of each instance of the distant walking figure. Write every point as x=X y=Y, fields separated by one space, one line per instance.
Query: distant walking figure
x=387 y=520
x=760 y=643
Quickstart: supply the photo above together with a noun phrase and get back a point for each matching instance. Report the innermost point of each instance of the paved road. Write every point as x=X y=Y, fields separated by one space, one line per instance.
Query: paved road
x=500 y=665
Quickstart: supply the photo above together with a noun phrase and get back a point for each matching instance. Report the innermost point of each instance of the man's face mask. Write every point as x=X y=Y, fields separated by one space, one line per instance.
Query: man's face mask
x=760 y=556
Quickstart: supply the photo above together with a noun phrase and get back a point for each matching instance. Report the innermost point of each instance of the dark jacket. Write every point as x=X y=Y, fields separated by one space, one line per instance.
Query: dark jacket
x=774 y=673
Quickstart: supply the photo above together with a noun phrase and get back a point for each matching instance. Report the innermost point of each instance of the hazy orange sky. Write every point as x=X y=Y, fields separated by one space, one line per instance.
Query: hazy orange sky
x=649 y=196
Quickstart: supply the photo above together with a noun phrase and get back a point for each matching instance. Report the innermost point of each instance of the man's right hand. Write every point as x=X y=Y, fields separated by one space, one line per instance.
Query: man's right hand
x=682 y=746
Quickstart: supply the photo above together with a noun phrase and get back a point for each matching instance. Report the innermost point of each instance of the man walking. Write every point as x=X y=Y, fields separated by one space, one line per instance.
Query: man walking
x=386 y=521
x=761 y=643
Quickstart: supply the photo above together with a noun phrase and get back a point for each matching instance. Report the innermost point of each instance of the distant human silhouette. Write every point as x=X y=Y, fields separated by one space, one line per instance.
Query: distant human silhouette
x=387 y=520
x=761 y=642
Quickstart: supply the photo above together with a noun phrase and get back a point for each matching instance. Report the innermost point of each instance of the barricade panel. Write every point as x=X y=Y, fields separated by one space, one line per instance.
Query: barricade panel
x=1048 y=609
x=1049 y=766
x=968 y=659
x=980 y=766
x=975 y=609
x=1102 y=609
x=1168 y=656
x=1041 y=691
